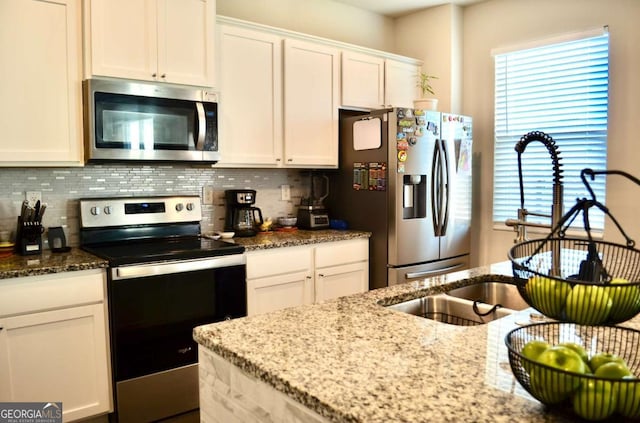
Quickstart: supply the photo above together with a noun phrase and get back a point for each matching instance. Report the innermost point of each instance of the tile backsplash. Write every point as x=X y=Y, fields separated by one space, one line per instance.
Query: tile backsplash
x=62 y=188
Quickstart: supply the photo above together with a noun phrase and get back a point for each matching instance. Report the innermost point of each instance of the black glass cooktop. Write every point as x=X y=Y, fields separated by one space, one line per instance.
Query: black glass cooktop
x=181 y=248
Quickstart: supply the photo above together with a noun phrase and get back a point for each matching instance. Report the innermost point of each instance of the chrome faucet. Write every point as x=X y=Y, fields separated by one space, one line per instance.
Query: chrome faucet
x=520 y=224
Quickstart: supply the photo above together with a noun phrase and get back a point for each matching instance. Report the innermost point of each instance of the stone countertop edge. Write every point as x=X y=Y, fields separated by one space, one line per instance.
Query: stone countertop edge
x=352 y=360
x=48 y=262
x=275 y=239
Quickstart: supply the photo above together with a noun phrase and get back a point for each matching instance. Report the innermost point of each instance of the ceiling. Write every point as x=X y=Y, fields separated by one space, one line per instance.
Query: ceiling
x=395 y=8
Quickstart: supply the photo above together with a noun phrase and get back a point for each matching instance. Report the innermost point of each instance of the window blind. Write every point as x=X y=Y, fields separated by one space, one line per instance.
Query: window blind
x=560 y=89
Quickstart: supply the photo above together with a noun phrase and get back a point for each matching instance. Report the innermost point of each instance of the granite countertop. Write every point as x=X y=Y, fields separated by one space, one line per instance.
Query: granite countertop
x=15 y=266
x=48 y=262
x=353 y=360
x=277 y=239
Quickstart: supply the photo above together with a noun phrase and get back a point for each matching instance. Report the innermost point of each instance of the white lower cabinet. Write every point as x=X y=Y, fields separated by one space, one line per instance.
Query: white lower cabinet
x=294 y=276
x=54 y=342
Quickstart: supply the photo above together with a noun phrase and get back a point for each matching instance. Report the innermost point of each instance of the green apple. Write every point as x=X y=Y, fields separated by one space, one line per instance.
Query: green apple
x=629 y=397
x=602 y=358
x=595 y=400
x=612 y=370
x=577 y=348
x=551 y=386
x=547 y=295
x=625 y=299
x=588 y=305
x=532 y=351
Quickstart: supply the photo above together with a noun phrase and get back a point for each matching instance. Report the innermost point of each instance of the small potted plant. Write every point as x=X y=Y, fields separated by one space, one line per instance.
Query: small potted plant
x=424 y=83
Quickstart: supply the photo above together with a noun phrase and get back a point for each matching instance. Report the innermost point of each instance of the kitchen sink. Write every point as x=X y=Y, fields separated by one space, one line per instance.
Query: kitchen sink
x=492 y=293
x=468 y=306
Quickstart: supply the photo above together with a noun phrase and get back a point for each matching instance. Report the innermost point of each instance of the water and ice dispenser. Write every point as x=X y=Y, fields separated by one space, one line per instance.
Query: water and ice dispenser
x=414 y=196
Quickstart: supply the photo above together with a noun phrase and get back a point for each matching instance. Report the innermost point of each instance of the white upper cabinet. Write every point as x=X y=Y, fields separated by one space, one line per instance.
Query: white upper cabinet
x=370 y=81
x=250 y=81
x=362 y=80
x=41 y=49
x=311 y=101
x=151 y=40
x=400 y=88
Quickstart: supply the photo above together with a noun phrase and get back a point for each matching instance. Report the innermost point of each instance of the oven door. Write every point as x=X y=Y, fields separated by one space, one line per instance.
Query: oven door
x=153 y=310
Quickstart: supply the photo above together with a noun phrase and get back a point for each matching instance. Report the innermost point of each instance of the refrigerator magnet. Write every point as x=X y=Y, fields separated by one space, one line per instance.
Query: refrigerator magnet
x=418 y=112
x=413 y=140
x=400 y=167
x=418 y=132
x=400 y=113
x=400 y=136
x=402 y=156
x=403 y=145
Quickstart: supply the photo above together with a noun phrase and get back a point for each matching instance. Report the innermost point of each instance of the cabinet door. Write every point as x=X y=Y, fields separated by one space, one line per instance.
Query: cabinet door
x=278 y=292
x=400 y=83
x=251 y=97
x=58 y=355
x=41 y=48
x=362 y=80
x=311 y=101
x=123 y=39
x=186 y=41
x=338 y=281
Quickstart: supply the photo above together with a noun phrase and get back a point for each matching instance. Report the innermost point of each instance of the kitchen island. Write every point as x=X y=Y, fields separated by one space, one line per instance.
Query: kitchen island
x=353 y=360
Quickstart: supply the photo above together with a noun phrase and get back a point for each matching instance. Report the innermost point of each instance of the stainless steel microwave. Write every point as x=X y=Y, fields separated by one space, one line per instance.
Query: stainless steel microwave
x=126 y=120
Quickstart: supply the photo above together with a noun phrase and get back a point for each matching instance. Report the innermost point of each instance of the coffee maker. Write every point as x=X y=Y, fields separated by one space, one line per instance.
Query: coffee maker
x=312 y=214
x=241 y=217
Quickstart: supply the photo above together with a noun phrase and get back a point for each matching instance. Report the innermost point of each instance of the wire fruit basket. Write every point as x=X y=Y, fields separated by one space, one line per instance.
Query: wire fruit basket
x=591 y=397
x=585 y=281
x=562 y=294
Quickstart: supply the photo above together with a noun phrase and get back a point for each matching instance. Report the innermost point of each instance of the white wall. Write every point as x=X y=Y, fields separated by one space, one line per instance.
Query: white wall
x=435 y=36
x=500 y=23
x=322 y=18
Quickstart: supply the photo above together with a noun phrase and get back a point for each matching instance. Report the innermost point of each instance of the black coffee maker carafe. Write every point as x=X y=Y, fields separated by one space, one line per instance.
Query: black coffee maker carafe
x=241 y=217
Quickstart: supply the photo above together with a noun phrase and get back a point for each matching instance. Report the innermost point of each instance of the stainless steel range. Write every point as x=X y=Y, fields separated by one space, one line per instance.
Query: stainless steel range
x=163 y=280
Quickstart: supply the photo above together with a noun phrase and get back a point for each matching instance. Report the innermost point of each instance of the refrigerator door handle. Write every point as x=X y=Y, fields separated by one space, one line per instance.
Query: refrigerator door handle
x=431 y=272
x=444 y=221
x=435 y=189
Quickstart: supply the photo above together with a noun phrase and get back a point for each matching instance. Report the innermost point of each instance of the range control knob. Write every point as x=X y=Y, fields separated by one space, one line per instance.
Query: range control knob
x=95 y=210
x=190 y=206
x=179 y=207
x=107 y=209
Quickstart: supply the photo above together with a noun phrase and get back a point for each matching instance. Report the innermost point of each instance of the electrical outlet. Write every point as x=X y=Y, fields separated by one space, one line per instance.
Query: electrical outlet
x=33 y=197
x=207 y=194
x=285 y=191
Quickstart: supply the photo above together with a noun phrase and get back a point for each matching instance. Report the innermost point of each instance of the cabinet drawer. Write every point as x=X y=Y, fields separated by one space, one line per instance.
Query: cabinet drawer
x=335 y=253
x=46 y=292
x=278 y=262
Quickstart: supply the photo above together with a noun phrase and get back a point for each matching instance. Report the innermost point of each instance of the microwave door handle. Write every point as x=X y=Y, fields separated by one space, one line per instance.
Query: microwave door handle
x=202 y=126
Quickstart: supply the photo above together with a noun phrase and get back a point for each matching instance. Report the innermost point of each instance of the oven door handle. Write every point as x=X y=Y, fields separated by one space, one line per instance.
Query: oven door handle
x=155 y=269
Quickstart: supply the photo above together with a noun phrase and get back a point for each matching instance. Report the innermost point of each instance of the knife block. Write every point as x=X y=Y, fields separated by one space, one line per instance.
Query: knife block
x=28 y=237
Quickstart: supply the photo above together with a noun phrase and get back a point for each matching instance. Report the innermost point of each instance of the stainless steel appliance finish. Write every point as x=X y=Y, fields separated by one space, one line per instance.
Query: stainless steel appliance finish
x=241 y=217
x=163 y=280
x=406 y=177
x=126 y=120
x=312 y=212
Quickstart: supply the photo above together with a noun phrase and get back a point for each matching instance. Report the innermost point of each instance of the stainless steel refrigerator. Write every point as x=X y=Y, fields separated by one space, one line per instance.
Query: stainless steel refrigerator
x=405 y=175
